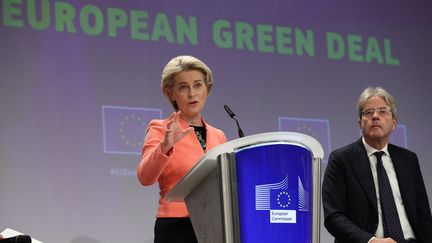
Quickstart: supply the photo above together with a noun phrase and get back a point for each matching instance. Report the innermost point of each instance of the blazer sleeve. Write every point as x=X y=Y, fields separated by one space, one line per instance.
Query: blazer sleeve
x=336 y=202
x=423 y=208
x=153 y=160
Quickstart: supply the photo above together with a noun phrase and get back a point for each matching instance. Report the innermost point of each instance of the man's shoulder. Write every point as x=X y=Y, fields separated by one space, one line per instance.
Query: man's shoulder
x=392 y=148
x=351 y=148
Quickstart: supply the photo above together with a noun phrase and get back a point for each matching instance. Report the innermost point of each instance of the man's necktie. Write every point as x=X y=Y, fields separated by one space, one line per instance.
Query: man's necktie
x=391 y=223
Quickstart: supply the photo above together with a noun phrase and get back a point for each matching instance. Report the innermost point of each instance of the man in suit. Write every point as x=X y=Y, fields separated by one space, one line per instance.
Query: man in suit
x=16 y=239
x=354 y=209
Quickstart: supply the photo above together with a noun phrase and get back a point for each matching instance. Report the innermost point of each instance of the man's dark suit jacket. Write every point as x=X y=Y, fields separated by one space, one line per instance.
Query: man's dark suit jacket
x=349 y=197
x=17 y=239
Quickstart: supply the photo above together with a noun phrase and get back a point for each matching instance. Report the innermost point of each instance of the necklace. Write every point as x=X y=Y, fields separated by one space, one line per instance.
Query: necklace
x=200 y=134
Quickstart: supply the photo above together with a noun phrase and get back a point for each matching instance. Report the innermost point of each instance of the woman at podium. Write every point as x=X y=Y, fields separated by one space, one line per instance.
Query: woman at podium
x=173 y=145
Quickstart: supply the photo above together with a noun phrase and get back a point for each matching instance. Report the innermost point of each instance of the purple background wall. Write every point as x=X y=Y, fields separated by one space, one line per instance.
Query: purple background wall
x=74 y=107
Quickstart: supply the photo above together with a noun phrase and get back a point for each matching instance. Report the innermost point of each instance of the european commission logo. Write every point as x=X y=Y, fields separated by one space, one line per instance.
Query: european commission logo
x=318 y=129
x=124 y=128
x=282 y=200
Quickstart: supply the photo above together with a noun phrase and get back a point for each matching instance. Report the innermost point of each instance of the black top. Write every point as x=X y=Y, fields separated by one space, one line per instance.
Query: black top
x=200 y=132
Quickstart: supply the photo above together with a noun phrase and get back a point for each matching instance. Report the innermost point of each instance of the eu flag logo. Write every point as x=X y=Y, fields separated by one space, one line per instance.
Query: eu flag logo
x=124 y=128
x=318 y=129
x=399 y=136
x=283 y=199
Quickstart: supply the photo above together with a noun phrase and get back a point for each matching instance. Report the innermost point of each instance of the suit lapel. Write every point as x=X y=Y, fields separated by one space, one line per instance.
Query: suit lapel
x=191 y=137
x=362 y=169
x=400 y=162
x=404 y=177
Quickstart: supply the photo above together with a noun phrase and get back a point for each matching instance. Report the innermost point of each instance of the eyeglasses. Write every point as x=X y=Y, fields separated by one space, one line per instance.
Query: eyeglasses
x=382 y=111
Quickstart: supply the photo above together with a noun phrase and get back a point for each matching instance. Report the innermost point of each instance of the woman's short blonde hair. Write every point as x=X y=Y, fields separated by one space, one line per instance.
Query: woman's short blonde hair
x=179 y=64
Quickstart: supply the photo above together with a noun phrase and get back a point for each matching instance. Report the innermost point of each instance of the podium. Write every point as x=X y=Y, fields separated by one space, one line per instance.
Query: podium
x=260 y=188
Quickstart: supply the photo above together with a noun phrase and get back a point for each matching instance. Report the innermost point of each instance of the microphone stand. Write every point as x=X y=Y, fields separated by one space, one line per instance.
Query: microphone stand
x=233 y=116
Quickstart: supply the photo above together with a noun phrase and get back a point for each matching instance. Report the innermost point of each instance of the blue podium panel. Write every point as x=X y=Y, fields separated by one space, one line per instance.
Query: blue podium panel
x=274 y=190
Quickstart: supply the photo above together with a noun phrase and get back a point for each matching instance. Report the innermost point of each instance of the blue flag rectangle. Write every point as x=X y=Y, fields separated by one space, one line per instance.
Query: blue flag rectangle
x=319 y=129
x=124 y=128
x=399 y=136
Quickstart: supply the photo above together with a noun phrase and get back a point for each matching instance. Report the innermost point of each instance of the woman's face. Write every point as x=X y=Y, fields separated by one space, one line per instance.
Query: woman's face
x=190 y=93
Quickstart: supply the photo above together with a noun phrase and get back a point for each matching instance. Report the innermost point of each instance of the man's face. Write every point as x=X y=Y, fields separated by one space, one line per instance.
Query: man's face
x=377 y=120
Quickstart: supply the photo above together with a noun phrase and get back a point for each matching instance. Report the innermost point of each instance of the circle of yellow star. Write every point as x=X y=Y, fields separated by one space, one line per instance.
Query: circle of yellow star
x=288 y=199
x=123 y=124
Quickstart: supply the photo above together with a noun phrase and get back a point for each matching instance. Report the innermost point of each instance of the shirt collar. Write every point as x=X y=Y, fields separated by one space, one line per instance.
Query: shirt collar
x=370 y=150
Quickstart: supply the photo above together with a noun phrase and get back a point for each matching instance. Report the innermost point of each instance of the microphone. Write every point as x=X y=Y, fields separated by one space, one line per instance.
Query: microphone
x=233 y=116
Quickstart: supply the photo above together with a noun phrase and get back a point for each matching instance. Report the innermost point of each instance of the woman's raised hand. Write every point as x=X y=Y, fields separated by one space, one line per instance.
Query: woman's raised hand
x=173 y=132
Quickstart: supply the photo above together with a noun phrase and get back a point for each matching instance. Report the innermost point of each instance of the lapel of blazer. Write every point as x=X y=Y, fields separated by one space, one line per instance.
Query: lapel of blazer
x=400 y=162
x=362 y=169
x=403 y=175
x=191 y=138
